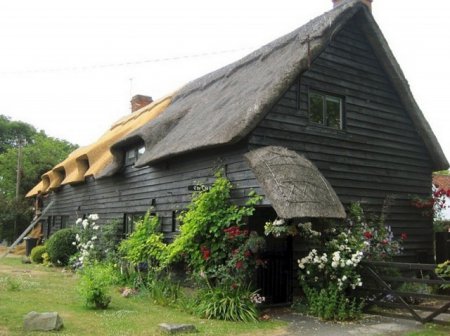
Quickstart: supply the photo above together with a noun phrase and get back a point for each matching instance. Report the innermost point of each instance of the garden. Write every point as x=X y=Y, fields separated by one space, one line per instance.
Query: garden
x=205 y=276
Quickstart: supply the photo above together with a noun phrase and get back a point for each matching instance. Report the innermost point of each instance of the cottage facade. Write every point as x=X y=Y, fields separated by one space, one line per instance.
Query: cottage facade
x=330 y=92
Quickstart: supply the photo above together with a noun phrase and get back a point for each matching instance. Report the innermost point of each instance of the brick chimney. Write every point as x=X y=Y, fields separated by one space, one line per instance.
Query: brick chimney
x=368 y=3
x=139 y=101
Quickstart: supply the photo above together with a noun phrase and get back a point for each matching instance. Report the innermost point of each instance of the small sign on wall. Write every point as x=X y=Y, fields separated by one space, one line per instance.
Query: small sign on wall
x=199 y=187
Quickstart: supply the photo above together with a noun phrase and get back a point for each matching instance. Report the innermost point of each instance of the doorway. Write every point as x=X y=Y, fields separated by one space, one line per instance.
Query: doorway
x=274 y=280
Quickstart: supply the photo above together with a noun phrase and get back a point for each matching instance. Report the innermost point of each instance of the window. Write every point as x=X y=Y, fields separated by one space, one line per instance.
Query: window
x=133 y=154
x=325 y=109
x=129 y=221
x=64 y=221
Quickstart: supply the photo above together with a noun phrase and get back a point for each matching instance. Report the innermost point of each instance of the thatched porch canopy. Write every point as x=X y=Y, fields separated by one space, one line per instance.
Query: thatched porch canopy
x=294 y=186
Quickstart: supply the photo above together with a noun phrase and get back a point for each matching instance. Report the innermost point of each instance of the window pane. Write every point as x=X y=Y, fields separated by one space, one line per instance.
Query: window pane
x=316 y=108
x=334 y=112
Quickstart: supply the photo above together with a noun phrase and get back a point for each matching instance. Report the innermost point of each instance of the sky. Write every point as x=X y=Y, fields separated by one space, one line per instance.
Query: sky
x=71 y=67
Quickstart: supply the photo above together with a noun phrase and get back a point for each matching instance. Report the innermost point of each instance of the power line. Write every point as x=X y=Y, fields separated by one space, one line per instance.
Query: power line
x=123 y=64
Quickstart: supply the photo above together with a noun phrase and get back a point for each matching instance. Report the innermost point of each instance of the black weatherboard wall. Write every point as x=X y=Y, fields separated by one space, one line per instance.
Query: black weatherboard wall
x=378 y=153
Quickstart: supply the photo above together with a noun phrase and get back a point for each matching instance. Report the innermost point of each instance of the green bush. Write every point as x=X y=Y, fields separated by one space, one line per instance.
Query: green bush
x=36 y=254
x=95 y=283
x=60 y=246
x=332 y=304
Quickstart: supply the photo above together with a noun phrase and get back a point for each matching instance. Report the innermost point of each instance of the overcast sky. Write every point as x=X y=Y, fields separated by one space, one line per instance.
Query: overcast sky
x=71 y=67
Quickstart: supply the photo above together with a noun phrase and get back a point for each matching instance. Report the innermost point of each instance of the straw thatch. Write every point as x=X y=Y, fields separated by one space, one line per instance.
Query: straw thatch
x=294 y=186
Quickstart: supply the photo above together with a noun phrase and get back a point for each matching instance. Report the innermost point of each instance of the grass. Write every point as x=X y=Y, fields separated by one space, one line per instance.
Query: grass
x=25 y=288
x=431 y=330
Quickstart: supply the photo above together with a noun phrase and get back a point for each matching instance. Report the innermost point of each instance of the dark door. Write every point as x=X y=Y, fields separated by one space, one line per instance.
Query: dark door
x=274 y=280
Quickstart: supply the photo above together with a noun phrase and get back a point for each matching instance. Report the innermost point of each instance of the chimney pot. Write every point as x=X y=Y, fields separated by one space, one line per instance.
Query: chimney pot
x=139 y=101
x=368 y=3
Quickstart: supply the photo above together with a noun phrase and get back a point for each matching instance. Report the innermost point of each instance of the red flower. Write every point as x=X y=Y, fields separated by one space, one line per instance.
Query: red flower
x=206 y=253
x=404 y=236
x=247 y=253
x=239 y=264
x=448 y=192
x=368 y=235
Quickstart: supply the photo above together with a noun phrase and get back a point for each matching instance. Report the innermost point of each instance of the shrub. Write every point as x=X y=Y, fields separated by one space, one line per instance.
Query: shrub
x=95 y=283
x=60 y=247
x=36 y=254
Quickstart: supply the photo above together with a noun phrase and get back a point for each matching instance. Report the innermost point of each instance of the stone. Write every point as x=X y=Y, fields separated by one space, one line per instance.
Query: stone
x=42 y=321
x=172 y=328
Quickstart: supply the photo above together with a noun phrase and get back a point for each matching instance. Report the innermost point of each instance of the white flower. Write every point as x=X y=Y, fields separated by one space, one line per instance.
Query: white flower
x=360 y=283
x=93 y=217
x=74 y=243
x=96 y=227
x=344 y=277
x=278 y=222
x=334 y=264
x=349 y=262
x=78 y=222
x=85 y=223
x=94 y=238
x=77 y=237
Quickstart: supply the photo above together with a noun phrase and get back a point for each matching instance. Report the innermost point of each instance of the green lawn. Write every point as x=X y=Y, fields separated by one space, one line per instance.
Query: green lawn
x=25 y=288
x=432 y=330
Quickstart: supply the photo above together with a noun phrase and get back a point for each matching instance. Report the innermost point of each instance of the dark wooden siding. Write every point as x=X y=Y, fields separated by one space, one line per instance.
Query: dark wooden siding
x=133 y=190
x=377 y=154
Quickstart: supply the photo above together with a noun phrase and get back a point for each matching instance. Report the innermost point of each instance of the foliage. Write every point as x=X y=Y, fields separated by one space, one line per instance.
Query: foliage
x=94 y=242
x=225 y=303
x=434 y=205
x=331 y=303
x=443 y=270
x=145 y=244
x=15 y=216
x=40 y=155
x=60 y=247
x=96 y=280
x=328 y=276
x=163 y=290
x=281 y=228
x=12 y=131
x=212 y=241
x=36 y=254
x=377 y=238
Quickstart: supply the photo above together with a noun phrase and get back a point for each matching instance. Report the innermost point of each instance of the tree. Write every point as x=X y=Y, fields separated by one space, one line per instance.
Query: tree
x=39 y=154
x=13 y=131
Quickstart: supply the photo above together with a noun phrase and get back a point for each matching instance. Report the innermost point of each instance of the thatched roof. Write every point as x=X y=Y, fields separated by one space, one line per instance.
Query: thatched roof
x=92 y=160
x=223 y=107
x=294 y=186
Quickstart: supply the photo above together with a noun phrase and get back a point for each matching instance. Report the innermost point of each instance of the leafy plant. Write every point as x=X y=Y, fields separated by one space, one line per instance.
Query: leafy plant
x=95 y=282
x=60 y=247
x=331 y=303
x=36 y=254
x=443 y=270
x=213 y=241
x=145 y=244
x=225 y=303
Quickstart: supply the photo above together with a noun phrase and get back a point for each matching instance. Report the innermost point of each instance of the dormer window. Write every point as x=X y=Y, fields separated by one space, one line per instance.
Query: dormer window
x=133 y=154
x=325 y=109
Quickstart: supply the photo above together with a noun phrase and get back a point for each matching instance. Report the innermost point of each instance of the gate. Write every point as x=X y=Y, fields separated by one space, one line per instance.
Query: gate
x=383 y=288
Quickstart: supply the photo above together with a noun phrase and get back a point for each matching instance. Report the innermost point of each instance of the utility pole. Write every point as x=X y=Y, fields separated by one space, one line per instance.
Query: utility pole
x=19 y=167
x=18 y=177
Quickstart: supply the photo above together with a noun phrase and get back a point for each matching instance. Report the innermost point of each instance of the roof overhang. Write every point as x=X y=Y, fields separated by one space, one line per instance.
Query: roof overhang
x=293 y=184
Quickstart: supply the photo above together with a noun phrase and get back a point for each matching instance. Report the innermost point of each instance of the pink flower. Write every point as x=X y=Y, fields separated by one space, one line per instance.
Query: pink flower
x=368 y=235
